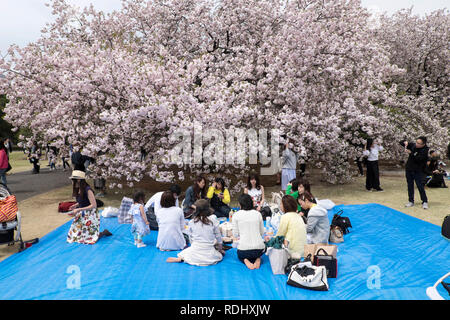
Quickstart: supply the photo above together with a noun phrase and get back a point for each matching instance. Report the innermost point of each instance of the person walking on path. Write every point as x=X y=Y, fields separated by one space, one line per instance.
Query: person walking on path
x=3 y=162
x=371 y=151
x=415 y=167
x=34 y=156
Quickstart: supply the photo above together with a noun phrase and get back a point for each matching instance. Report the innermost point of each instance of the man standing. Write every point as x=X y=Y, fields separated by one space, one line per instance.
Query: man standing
x=415 y=167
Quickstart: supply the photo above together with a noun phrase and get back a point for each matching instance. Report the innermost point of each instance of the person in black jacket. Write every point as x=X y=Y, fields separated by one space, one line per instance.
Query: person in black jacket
x=415 y=167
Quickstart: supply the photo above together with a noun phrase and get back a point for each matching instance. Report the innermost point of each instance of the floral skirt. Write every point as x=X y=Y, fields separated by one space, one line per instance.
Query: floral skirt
x=85 y=227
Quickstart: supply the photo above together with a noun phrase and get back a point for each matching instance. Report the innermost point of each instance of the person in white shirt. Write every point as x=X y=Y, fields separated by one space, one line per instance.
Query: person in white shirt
x=171 y=224
x=206 y=240
x=248 y=226
x=371 y=151
x=153 y=205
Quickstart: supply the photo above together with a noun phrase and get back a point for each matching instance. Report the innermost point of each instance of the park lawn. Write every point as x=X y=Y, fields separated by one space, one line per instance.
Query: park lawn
x=40 y=214
x=19 y=162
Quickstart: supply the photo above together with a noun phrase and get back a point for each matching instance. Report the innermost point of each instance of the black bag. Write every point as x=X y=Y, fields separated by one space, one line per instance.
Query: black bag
x=342 y=222
x=7 y=236
x=328 y=261
x=291 y=262
x=446 y=227
x=99 y=203
x=437 y=181
x=151 y=217
x=266 y=212
x=9 y=167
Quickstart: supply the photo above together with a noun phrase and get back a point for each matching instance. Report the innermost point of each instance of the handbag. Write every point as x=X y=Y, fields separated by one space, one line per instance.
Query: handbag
x=328 y=261
x=336 y=235
x=278 y=259
x=64 y=206
x=9 y=167
x=342 y=222
x=306 y=276
x=266 y=212
x=8 y=208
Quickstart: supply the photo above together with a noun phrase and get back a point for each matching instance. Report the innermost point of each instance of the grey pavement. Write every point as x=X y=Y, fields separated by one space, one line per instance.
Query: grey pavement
x=25 y=185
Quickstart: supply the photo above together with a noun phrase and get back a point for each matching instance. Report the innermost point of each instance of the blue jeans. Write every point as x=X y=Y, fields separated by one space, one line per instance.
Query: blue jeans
x=3 y=176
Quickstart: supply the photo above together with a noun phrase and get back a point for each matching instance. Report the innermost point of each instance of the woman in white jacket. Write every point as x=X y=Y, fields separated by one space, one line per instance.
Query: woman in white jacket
x=203 y=229
x=318 y=225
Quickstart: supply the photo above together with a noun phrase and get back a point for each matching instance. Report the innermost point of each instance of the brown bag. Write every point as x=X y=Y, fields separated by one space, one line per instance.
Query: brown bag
x=336 y=235
x=311 y=249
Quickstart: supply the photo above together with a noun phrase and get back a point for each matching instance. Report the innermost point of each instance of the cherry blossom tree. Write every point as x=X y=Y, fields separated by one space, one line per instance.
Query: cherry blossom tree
x=115 y=84
x=420 y=46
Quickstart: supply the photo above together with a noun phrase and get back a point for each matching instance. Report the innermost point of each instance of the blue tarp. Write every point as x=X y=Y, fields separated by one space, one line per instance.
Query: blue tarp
x=406 y=254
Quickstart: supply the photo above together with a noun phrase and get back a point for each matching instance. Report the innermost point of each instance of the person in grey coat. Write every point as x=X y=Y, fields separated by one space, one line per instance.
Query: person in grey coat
x=318 y=225
x=289 y=165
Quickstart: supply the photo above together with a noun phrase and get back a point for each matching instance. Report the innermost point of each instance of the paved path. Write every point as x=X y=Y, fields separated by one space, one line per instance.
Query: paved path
x=25 y=185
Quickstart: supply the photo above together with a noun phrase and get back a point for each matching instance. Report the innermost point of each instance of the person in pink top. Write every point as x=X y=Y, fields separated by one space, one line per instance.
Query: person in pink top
x=3 y=162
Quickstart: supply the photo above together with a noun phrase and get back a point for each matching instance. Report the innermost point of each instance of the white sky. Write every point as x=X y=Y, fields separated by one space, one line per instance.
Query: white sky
x=22 y=20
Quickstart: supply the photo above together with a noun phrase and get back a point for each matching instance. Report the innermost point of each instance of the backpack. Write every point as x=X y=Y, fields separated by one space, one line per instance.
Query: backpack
x=151 y=217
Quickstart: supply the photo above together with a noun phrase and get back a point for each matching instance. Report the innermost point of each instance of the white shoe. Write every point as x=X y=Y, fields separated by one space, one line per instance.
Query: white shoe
x=409 y=204
x=425 y=205
x=141 y=245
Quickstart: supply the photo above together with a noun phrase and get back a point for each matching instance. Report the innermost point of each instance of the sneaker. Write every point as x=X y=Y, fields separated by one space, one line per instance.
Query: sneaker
x=379 y=190
x=425 y=205
x=409 y=204
x=370 y=190
x=141 y=245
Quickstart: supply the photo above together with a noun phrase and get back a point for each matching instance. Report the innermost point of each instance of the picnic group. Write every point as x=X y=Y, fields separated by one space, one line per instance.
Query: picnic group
x=194 y=228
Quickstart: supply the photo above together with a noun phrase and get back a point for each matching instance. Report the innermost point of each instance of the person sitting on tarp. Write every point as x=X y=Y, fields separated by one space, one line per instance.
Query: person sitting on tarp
x=220 y=198
x=292 y=227
x=171 y=223
x=153 y=205
x=206 y=239
x=248 y=226
x=318 y=225
x=435 y=175
x=85 y=227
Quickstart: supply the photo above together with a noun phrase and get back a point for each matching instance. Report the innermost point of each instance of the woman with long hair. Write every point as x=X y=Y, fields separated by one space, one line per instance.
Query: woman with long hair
x=318 y=225
x=195 y=192
x=3 y=162
x=204 y=234
x=220 y=198
x=371 y=151
x=255 y=190
x=85 y=227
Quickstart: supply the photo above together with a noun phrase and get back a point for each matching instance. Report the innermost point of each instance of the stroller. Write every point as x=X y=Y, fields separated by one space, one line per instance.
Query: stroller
x=8 y=228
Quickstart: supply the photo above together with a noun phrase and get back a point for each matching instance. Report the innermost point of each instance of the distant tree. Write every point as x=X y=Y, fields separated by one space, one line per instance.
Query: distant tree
x=5 y=127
